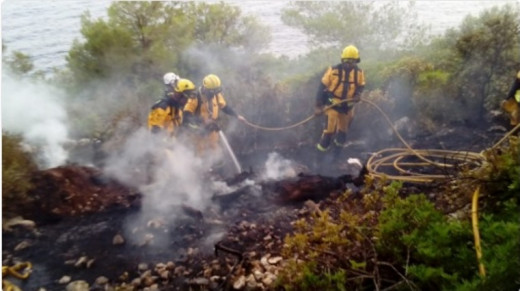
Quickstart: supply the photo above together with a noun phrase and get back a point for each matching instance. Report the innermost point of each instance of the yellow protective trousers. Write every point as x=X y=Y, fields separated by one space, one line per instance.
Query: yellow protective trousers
x=337 y=126
x=207 y=144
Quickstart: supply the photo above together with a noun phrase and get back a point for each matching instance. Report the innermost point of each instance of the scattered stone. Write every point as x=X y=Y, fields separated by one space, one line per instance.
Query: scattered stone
x=23 y=245
x=118 y=240
x=102 y=280
x=269 y=279
x=155 y=223
x=90 y=263
x=64 y=280
x=80 y=261
x=240 y=283
x=18 y=221
x=199 y=281
x=79 y=285
x=251 y=282
x=142 y=267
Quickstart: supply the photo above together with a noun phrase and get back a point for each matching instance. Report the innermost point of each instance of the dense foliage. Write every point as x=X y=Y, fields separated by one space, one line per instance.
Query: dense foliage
x=406 y=242
x=17 y=169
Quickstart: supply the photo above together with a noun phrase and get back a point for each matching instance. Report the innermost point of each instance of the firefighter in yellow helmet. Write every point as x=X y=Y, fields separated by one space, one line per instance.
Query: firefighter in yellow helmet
x=166 y=114
x=202 y=112
x=511 y=104
x=341 y=84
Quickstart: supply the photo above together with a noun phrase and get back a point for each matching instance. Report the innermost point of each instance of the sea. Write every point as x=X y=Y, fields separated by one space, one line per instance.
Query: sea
x=45 y=30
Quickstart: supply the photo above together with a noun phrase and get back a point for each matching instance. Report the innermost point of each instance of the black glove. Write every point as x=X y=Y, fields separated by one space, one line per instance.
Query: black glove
x=213 y=126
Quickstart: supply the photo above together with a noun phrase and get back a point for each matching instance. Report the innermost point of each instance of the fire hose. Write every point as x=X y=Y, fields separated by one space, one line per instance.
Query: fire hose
x=395 y=156
x=19 y=271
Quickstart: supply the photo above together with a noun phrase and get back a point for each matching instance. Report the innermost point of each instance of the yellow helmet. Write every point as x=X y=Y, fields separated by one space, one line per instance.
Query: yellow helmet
x=350 y=52
x=211 y=82
x=184 y=85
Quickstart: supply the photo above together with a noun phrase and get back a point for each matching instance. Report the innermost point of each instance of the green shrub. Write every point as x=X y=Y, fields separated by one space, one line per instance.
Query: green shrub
x=17 y=169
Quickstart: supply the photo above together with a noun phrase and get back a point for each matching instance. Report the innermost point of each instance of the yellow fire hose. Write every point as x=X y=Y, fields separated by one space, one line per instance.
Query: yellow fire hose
x=395 y=155
x=378 y=160
x=476 y=234
x=19 y=271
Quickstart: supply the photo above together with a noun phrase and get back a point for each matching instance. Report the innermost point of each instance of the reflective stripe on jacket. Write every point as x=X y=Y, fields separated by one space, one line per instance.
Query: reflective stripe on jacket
x=204 y=108
x=336 y=86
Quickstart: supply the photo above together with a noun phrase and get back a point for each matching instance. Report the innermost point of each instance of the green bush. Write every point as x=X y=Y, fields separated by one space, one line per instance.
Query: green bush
x=17 y=169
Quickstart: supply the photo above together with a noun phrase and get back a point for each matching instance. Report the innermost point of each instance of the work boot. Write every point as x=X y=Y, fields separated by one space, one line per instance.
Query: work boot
x=341 y=138
x=324 y=143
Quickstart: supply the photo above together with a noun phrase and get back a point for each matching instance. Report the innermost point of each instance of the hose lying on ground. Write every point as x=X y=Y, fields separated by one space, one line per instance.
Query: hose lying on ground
x=396 y=156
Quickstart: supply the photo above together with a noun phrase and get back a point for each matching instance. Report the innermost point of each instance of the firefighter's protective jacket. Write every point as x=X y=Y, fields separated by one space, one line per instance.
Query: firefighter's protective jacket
x=202 y=110
x=166 y=115
x=514 y=92
x=338 y=84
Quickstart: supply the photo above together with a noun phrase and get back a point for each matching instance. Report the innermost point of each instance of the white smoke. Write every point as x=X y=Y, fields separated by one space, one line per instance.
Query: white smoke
x=168 y=174
x=35 y=111
x=277 y=167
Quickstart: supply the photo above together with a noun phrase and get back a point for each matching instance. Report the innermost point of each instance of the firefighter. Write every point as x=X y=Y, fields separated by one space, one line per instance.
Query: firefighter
x=341 y=84
x=166 y=114
x=202 y=112
x=170 y=80
x=511 y=104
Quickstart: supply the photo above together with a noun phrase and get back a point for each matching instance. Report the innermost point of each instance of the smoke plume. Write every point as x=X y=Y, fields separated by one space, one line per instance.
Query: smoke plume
x=36 y=112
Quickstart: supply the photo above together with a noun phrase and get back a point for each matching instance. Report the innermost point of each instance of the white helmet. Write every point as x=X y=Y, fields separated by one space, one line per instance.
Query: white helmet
x=170 y=78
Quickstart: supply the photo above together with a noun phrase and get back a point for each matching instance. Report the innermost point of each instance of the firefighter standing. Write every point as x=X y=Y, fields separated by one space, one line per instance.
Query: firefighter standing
x=511 y=104
x=341 y=84
x=166 y=114
x=202 y=112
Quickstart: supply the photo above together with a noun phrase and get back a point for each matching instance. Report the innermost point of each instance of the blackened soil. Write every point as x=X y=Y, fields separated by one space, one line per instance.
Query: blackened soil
x=55 y=248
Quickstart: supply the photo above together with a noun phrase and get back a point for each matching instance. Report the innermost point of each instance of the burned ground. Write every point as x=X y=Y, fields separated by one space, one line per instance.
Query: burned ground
x=80 y=220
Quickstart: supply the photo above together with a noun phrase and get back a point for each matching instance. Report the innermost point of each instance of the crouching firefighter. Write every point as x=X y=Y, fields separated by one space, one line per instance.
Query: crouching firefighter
x=166 y=114
x=512 y=103
x=342 y=85
x=201 y=114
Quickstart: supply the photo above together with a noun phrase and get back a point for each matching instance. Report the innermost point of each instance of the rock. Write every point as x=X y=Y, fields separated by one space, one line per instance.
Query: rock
x=199 y=281
x=136 y=282
x=146 y=273
x=164 y=274
x=90 y=263
x=155 y=223
x=101 y=280
x=77 y=286
x=80 y=261
x=142 y=267
x=18 y=221
x=264 y=261
x=118 y=240
x=179 y=270
x=148 y=239
x=207 y=272
x=269 y=279
x=64 y=280
x=23 y=245
x=251 y=282
x=258 y=275
x=170 y=265
x=239 y=283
